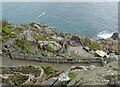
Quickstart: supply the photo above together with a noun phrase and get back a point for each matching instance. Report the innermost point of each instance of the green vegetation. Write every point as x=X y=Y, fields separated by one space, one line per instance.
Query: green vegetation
x=23 y=69
x=74 y=55
x=95 y=46
x=5 y=38
x=45 y=53
x=1 y=46
x=42 y=38
x=25 y=25
x=91 y=44
x=18 y=79
x=27 y=51
x=7 y=33
x=4 y=80
x=50 y=49
x=72 y=75
x=4 y=22
x=17 y=74
x=39 y=37
x=6 y=30
x=110 y=77
x=49 y=70
x=13 y=35
x=22 y=45
x=18 y=30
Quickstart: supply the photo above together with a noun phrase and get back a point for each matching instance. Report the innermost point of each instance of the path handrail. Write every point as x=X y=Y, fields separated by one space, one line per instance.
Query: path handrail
x=56 y=60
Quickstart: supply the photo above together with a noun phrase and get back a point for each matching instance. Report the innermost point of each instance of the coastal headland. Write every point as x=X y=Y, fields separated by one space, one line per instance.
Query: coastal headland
x=44 y=44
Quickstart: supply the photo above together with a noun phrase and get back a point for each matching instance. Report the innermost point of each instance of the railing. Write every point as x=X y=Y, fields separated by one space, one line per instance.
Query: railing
x=56 y=60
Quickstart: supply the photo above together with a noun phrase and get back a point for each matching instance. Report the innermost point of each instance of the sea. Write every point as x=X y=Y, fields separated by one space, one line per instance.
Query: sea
x=93 y=19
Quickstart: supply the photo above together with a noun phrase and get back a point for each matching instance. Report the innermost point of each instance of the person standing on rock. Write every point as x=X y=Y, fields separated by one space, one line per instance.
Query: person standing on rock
x=36 y=52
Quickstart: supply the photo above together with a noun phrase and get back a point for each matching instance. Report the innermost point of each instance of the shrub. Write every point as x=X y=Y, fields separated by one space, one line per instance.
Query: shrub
x=50 y=49
x=23 y=44
x=7 y=33
x=29 y=70
x=18 y=79
x=6 y=70
x=13 y=35
x=71 y=75
x=6 y=30
x=94 y=46
x=19 y=30
x=91 y=44
x=5 y=38
x=39 y=37
x=23 y=69
x=49 y=70
x=45 y=53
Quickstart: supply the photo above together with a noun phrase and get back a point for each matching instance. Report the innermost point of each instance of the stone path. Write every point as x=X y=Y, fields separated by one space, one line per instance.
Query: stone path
x=32 y=45
x=63 y=66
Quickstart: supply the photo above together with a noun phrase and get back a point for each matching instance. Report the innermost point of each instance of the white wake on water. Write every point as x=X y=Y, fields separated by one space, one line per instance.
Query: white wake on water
x=104 y=34
x=41 y=14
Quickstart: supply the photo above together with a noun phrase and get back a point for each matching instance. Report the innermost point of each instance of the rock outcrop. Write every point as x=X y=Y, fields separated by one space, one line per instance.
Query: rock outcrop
x=47 y=35
x=95 y=75
x=115 y=36
x=53 y=44
x=109 y=46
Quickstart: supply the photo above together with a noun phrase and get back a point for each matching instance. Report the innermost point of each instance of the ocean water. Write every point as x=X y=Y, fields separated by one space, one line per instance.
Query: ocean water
x=94 y=19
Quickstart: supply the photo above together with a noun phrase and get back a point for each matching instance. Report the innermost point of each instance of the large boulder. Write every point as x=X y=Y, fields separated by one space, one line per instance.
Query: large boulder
x=63 y=77
x=100 y=53
x=53 y=44
x=112 y=57
x=115 y=36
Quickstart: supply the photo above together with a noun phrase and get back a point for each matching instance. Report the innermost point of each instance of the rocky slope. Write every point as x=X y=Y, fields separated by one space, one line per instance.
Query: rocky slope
x=51 y=42
x=110 y=45
x=47 y=41
x=95 y=75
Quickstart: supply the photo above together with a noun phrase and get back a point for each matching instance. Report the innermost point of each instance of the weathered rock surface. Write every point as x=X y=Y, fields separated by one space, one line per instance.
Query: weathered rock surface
x=95 y=75
x=115 y=36
x=53 y=44
x=109 y=45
